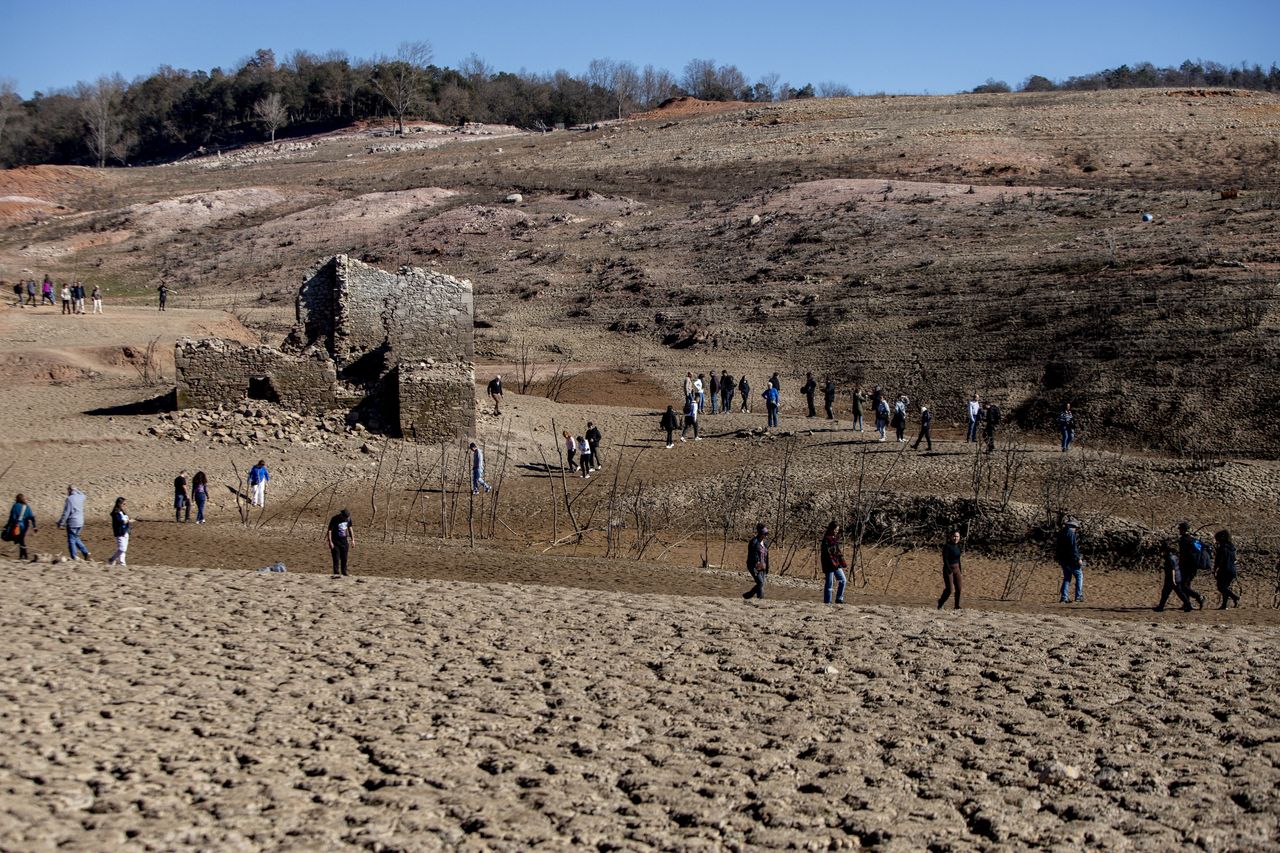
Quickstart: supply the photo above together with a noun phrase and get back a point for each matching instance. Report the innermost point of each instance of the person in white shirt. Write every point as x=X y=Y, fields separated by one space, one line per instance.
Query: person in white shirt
x=975 y=407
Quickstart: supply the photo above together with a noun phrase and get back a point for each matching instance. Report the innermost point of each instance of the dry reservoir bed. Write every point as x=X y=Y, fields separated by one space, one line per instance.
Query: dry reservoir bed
x=166 y=708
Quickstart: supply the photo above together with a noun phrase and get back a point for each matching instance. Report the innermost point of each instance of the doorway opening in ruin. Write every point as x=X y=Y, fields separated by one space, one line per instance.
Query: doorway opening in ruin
x=261 y=388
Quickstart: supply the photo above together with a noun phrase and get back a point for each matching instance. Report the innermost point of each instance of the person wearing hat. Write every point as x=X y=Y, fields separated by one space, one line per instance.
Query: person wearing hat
x=1068 y=553
x=926 y=423
x=340 y=536
x=758 y=561
x=1190 y=559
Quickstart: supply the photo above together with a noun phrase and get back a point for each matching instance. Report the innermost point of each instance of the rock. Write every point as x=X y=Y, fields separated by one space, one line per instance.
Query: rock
x=755 y=219
x=514 y=198
x=831 y=670
x=1055 y=773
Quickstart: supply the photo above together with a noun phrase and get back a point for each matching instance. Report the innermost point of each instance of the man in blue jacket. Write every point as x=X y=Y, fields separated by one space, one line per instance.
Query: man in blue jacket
x=1068 y=554
x=258 y=477
x=771 y=403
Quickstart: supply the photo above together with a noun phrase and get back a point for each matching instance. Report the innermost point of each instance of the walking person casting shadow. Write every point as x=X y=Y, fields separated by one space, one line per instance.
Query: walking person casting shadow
x=833 y=564
x=951 y=552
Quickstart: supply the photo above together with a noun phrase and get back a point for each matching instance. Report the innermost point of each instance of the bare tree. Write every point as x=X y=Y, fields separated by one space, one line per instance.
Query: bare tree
x=655 y=86
x=832 y=89
x=398 y=79
x=272 y=113
x=100 y=107
x=766 y=88
x=625 y=85
x=10 y=103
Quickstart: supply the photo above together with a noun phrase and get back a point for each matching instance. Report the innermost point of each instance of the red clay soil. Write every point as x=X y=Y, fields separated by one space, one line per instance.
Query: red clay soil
x=679 y=107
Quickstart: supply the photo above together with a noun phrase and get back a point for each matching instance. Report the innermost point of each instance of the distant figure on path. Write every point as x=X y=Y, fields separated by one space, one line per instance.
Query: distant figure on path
x=882 y=418
x=1172 y=578
x=570 y=450
x=688 y=383
x=975 y=411
x=670 y=423
x=859 y=397
x=1191 y=558
x=21 y=521
x=899 y=421
x=66 y=298
x=951 y=552
x=258 y=478
x=181 y=498
x=809 y=389
x=833 y=564
x=72 y=519
x=46 y=292
x=700 y=391
x=495 y=393
x=79 y=297
x=770 y=396
x=31 y=292
x=777 y=383
x=690 y=418
x=926 y=423
x=97 y=299
x=1066 y=426
x=726 y=392
x=585 y=459
x=829 y=398
x=120 y=527
x=992 y=420
x=200 y=492
x=163 y=290
x=1067 y=550
x=1224 y=568
x=758 y=562
x=744 y=389
x=715 y=392
x=340 y=536
x=477 y=469
x=594 y=438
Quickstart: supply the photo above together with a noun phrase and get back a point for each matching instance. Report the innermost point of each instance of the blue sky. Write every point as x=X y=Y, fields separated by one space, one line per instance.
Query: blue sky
x=934 y=47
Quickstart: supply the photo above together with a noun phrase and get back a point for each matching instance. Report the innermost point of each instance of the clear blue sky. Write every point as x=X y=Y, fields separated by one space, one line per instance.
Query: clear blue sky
x=924 y=46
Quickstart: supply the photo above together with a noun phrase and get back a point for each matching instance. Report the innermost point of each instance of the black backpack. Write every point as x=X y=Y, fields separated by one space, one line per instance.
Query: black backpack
x=1204 y=556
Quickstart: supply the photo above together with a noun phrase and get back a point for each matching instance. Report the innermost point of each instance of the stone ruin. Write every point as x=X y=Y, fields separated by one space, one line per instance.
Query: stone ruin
x=393 y=350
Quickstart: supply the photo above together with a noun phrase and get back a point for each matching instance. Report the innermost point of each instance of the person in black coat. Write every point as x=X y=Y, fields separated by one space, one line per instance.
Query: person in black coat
x=809 y=390
x=726 y=392
x=744 y=389
x=991 y=422
x=951 y=569
x=1171 y=578
x=594 y=438
x=1224 y=568
x=1189 y=551
x=926 y=423
x=670 y=423
x=829 y=398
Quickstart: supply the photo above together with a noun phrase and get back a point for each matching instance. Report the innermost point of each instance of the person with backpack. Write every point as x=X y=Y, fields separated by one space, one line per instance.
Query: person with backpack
x=17 y=295
x=926 y=423
x=951 y=554
x=1066 y=426
x=21 y=522
x=495 y=393
x=833 y=565
x=899 y=421
x=726 y=392
x=744 y=389
x=1067 y=551
x=340 y=536
x=120 y=527
x=690 y=418
x=859 y=397
x=770 y=396
x=72 y=519
x=1224 y=568
x=882 y=417
x=670 y=423
x=1193 y=555
x=1172 y=578
x=829 y=398
x=200 y=492
x=809 y=389
x=758 y=562
x=258 y=477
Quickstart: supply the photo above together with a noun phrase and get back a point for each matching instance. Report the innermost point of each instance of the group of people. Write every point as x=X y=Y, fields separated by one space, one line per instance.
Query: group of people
x=73 y=295
x=1188 y=556
x=22 y=522
x=582 y=452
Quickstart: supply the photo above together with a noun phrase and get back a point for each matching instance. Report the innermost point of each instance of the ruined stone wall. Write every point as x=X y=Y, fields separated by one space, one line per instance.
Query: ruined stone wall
x=213 y=372
x=437 y=400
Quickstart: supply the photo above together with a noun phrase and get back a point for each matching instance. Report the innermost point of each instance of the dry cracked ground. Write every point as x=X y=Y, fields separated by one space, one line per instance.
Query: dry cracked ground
x=155 y=709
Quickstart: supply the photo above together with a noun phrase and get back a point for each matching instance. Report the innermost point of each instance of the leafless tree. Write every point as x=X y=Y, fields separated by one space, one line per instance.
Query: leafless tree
x=656 y=85
x=100 y=107
x=625 y=85
x=271 y=111
x=398 y=79
x=832 y=89
x=10 y=103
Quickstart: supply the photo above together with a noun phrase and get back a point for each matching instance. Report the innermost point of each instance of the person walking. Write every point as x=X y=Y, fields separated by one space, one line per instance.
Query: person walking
x=477 y=469
x=340 y=536
x=744 y=389
x=926 y=423
x=974 y=409
x=809 y=389
x=570 y=451
x=72 y=519
x=882 y=418
x=1191 y=558
x=200 y=492
x=833 y=565
x=585 y=462
x=21 y=522
x=951 y=553
x=163 y=291
x=715 y=392
x=66 y=298
x=726 y=392
x=79 y=297
x=690 y=418
x=31 y=292
x=991 y=418
x=1224 y=568
x=770 y=396
x=1172 y=579
x=46 y=292
x=181 y=498
x=859 y=397
x=495 y=393
x=97 y=299
x=900 y=418
x=1067 y=550
x=829 y=398
x=758 y=562
x=1066 y=426
x=670 y=423
x=259 y=476
x=120 y=527
x=594 y=438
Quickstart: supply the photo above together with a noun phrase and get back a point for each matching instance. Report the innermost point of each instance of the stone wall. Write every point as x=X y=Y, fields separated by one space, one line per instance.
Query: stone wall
x=437 y=400
x=212 y=371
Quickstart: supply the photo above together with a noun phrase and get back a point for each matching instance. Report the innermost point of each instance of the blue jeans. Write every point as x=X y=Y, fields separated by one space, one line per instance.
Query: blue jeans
x=773 y=414
x=715 y=398
x=838 y=577
x=881 y=424
x=74 y=543
x=478 y=483
x=1069 y=573
x=1067 y=436
x=857 y=421
x=973 y=430
x=702 y=401
x=200 y=499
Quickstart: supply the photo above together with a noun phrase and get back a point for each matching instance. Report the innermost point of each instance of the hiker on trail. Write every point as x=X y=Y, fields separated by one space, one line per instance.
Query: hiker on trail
x=97 y=299
x=594 y=438
x=758 y=562
x=1172 y=578
x=31 y=292
x=700 y=391
x=258 y=477
x=900 y=418
x=495 y=393
x=120 y=527
x=585 y=466
x=809 y=389
x=66 y=298
x=72 y=519
x=46 y=292
x=181 y=498
x=477 y=469
x=715 y=392
x=926 y=422
x=991 y=419
x=79 y=297
x=975 y=412
x=163 y=290
x=1066 y=426
x=1224 y=568
x=1192 y=557
x=833 y=564
x=726 y=392
x=744 y=389
x=829 y=398
x=882 y=417
x=200 y=492
x=770 y=396
x=21 y=521
x=688 y=383
x=859 y=397
x=17 y=294
x=690 y=418
x=1067 y=551
x=777 y=385
x=340 y=536
x=951 y=552
x=570 y=450
x=670 y=423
